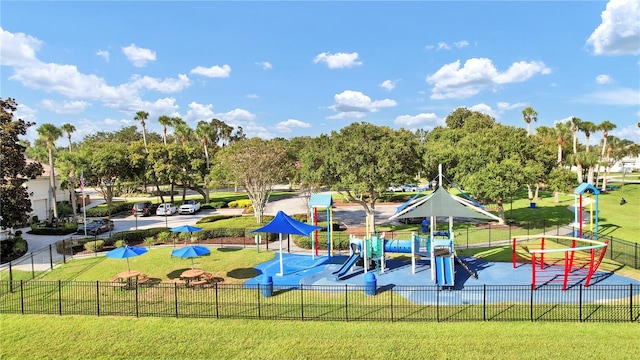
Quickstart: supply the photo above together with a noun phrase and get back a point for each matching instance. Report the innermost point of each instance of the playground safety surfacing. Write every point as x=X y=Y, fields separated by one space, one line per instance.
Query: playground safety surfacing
x=304 y=270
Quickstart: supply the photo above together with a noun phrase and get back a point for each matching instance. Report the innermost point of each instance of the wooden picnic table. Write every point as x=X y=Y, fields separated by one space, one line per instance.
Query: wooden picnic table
x=192 y=277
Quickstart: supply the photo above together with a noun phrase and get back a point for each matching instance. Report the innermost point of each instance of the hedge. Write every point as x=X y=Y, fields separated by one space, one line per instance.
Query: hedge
x=103 y=211
x=214 y=218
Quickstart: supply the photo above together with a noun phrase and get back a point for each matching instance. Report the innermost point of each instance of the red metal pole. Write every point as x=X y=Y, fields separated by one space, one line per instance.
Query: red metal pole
x=591 y=267
x=315 y=220
x=533 y=271
x=566 y=270
x=513 y=253
x=580 y=209
x=542 y=256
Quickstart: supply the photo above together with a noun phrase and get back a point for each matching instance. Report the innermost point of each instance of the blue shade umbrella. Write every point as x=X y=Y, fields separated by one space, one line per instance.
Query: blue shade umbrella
x=191 y=251
x=126 y=252
x=285 y=224
x=185 y=228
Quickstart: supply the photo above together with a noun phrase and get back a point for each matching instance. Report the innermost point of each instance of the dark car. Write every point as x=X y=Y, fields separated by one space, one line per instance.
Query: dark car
x=143 y=209
x=96 y=226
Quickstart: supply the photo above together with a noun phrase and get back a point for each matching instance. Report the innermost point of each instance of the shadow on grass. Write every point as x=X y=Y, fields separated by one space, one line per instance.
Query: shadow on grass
x=175 y=274
x=242 y=273
x=229 y=249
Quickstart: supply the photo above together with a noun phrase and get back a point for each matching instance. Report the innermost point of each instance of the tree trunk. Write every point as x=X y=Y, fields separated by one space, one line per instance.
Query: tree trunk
x=52 y=186
x=160 y=193
x=72 y=192
x=579 y=172
x=172 y=199
x=500 y=209
x=556 y=196
x=535 y=196
x=529 y=192
x=590 y=175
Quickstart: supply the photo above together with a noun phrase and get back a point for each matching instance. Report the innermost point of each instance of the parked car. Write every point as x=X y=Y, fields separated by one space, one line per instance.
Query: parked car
x=96 y=226
x=409 y=188
x=394 y=188
x=189 y=207
x=166 y=209
x=143 y=208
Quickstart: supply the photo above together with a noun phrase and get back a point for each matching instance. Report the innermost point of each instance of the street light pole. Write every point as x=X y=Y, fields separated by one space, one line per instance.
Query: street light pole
x=108 y=185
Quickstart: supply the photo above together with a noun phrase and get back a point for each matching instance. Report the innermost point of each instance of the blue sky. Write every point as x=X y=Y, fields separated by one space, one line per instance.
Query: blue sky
x=285 y=69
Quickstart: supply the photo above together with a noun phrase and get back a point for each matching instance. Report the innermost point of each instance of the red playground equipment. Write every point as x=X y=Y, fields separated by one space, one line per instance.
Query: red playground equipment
x=552 y=261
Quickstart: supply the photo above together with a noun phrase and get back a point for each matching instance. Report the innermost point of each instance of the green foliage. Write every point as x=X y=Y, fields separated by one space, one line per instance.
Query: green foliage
x=94 y=246
x=164 y=237
x=13 y=247
x=102 y=210
x=119 y=243
x=243 y=203
x=562 y=180
x=48 y=229
x=214 y=218
x=150 y=241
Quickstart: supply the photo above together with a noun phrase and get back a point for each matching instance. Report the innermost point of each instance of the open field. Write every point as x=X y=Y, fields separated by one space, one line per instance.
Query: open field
x=89 y=337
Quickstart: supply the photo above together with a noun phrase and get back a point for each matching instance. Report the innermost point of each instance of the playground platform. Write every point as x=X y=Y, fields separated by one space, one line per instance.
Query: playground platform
x=303 y=270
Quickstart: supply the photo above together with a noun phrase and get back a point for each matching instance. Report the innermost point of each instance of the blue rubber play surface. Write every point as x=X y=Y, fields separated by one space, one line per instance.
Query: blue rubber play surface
x=397 y=277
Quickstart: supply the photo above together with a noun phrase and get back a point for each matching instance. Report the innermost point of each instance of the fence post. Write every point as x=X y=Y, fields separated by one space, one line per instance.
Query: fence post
x=217 y=313
x=467 y=237
x=391 y=303
x=175 y=296
x=301 y=302
x=484 y=302
x=50 y=257
x=635 y=257
x=531 y=302
x=489 y=235
x=59 y=296
x=98 y=297
x=64 y=252
x=258 y=295
x=611 y=248
x=137 y=303
x=631 y=302
x=10 y=278
x=580 y=302
x=346 y=303
x=438 y=303
x=33 y=267
x=22 y=297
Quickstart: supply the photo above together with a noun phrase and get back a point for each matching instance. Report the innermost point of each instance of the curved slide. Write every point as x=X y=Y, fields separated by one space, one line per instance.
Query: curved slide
x=346 y=266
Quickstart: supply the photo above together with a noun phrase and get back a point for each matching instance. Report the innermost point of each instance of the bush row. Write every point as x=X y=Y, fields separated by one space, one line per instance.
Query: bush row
x=214 y=218
x=13 y=248
x=103 y=211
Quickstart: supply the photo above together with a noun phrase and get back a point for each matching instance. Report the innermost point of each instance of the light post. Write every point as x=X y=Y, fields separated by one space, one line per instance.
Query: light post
x=135 y=214
x=109 y=197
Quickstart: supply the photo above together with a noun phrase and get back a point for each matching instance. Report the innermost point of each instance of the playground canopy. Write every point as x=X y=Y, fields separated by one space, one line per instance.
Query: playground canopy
x=441 y=203
x=285 y=224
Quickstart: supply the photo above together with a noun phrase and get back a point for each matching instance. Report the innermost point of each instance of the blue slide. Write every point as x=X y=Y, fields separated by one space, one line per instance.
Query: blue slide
x=346 y=266
x=444 y=271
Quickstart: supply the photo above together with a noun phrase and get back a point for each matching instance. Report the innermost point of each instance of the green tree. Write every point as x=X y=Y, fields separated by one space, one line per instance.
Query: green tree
x=68 y=129
x=588 y=128
x=605 y=126
x=15 y=205
x=561 y=180
x=575 y=126
x=257 y=165
x=49 y=134
x=365 y=159
x=529 y=115
x=165 y=121
x=142 y=116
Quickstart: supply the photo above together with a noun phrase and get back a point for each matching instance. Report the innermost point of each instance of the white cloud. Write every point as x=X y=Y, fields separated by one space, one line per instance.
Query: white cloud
x=338 y=60
x=621 y=96
x=25 y=113
x=64 y=107
x=423 y=121
x=453 y=81
x=461 y=44
x=388 y=84
x=631 y=132
x=354 y=104
x=285 y=126
x=167 y=85
x=213 y=72
x=104 y=54
x=603 y=79
x=199 y=112
x=245 y=119
x=138 y=56
x=619 y=32
x=265 y=65
x=252 y=96
x=443 y=46
x=485 y=109
x=503 y=106
x=18 y=49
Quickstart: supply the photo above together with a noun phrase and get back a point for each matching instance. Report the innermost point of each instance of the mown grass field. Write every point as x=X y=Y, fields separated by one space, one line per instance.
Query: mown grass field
x=89 y=337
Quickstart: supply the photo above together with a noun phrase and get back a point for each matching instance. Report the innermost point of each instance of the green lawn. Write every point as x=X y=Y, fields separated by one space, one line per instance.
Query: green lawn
x=234 y=265
x=90 y=337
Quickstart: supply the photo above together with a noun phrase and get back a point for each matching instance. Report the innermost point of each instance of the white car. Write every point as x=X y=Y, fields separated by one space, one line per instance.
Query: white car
x=394 y=188
x=409 y=188
x=166 y=209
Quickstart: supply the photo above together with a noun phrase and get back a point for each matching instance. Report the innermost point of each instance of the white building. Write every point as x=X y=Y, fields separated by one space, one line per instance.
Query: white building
x=38 y=189
x=632 y=164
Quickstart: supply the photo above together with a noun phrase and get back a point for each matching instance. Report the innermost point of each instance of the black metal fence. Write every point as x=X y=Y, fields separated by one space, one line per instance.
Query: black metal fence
x=597 y=303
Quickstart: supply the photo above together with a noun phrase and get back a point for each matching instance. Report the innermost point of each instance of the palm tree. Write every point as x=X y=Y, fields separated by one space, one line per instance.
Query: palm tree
x=183 y=131
x=49 y=133
x=175 y=123
x=575 y=122
x=208 y=135
x=605 y=126
x=588 y=128
x=529 y=115
x=562 y=131
x=142 y=116
x=165 y=121
x=69 y=129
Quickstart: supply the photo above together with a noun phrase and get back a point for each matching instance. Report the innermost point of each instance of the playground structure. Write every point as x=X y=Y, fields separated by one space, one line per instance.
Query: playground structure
x=579 y=213
x=574 y=265
x=441 y=252
x=319 y=201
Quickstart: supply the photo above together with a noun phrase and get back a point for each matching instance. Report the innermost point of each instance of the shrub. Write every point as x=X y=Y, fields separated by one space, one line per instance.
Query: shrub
x=150 y=241
x=164 y=237
x=242 y=203
x=103 y=210
x=133 y=237
x=213 y=218
x=94 y=245
x=13 y=248
x=219 y=204
x=119 y=244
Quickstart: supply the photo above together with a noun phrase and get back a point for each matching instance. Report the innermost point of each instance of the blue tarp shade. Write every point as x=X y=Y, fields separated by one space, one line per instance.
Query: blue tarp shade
x=285 y=224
